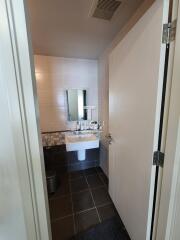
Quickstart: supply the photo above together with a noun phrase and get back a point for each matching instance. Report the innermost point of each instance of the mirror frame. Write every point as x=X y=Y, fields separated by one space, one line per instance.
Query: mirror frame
x=67 y=107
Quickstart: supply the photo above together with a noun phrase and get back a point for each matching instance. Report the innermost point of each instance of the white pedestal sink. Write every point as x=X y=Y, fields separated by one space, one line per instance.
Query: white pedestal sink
x=81 y=155
x=79 y=142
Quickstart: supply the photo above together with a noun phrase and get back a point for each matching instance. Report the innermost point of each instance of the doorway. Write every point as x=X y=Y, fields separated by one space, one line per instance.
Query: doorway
x=87 y=176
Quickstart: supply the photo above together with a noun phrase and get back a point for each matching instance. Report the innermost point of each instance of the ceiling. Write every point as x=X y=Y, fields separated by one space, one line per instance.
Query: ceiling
x=64 y=28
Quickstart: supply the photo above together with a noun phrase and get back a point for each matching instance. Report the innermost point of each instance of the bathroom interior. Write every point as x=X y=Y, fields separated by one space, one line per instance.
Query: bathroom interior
x=71 y=42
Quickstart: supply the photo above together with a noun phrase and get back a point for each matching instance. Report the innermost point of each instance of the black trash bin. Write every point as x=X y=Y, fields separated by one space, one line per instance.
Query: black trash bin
x=51 y=179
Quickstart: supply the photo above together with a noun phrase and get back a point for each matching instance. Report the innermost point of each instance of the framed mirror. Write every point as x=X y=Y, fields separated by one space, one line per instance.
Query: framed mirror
x=76 y=101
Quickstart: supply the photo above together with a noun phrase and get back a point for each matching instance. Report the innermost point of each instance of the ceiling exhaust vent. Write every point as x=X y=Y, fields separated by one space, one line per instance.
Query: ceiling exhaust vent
x=104 y=9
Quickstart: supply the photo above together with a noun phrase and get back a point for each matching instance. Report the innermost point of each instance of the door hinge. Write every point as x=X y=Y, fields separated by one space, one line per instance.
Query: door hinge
x=158 y=159
x=169 y=32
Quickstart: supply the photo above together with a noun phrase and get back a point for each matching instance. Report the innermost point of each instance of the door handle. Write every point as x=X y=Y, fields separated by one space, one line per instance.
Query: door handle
x=109 y=138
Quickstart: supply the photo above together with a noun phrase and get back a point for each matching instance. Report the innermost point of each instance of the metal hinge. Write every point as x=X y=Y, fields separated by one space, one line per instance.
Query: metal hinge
x=158 y=158
x=169 y=32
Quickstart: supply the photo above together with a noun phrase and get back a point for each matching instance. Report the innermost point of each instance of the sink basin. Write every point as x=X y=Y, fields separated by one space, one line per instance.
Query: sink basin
x=80 y=142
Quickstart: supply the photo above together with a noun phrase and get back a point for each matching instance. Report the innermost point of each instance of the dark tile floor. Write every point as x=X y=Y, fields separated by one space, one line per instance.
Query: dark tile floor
x=81 y=201
x=57 y=158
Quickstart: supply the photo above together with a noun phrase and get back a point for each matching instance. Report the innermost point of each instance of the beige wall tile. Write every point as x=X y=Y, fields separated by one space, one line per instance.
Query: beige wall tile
x=53 y=76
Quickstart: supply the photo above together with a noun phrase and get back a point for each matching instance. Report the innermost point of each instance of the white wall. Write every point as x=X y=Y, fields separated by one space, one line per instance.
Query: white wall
x=103 y=101
x=56 y=74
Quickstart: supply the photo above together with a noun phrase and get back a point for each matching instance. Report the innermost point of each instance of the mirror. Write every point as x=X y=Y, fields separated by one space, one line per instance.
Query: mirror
x=76 y=101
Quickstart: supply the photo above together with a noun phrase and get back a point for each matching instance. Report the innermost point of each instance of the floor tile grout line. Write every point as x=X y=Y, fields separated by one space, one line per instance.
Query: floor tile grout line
x=65 y=195
x=89 y=187
x=61 y=218
x=101 y=178
x=82 y=211
x=56 y=197
x=99 y=175
x=105 y=204
x=71 y=194
x=86 y=210
x=74 y=179
x=72 y=205
x=81 y=191
x=93 y=200
x=86 y=174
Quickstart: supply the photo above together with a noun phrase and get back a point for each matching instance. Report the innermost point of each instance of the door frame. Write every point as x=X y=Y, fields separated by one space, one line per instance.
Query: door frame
x=171 y=15
x=171 y=171
x=19 y=76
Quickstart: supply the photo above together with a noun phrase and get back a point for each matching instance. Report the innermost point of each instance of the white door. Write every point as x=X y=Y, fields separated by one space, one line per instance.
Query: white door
x=136 y=79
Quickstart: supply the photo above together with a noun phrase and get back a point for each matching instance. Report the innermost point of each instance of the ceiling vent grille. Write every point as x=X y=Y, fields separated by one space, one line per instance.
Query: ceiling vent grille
x=104 y=9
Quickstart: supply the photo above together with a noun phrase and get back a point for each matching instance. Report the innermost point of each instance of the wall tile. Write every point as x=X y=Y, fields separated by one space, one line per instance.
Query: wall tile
x=56 y=74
